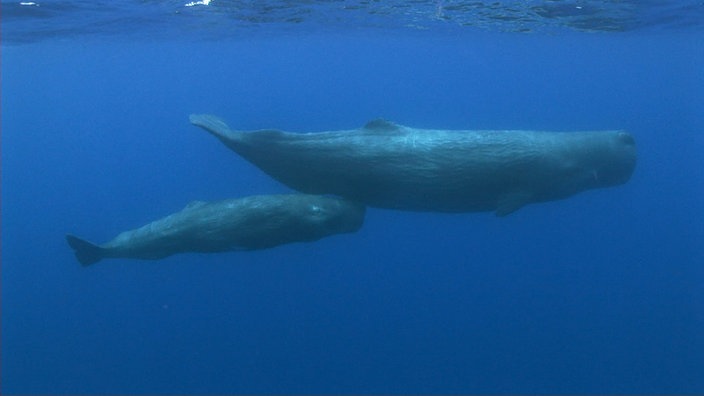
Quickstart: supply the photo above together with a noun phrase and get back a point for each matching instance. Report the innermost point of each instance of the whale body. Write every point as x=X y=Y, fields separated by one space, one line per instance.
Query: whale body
x=388 y=165
x=255 y=222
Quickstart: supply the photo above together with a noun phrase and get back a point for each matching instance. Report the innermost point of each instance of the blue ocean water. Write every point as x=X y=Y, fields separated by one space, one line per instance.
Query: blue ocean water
x=599 y=293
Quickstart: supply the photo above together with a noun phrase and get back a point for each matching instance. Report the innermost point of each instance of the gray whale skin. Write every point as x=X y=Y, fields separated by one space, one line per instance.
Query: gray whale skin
x=393 y=166
x=255 y=222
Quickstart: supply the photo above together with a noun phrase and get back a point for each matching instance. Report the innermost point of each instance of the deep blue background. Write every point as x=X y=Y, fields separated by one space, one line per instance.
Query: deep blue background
x=603 y=292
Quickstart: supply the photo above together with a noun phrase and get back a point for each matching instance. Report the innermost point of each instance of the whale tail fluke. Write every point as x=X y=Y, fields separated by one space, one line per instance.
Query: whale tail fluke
x=215 y=126
x=87 y=253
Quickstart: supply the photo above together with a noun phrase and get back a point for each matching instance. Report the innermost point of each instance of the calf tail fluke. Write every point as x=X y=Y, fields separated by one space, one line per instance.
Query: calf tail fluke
x=215 y=126
x=87 y=253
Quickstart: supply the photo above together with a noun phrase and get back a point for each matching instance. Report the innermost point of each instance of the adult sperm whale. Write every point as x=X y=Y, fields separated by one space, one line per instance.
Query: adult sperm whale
x=255 y=222
x=394 y=166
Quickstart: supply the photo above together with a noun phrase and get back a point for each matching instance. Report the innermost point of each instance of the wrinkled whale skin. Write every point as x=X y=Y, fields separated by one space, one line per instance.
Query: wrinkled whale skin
x=255 y=222
x=393 y=166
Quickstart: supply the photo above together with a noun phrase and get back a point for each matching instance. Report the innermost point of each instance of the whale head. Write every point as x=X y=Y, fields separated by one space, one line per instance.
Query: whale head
x=613 y=159
x=334 y=215
x=591 y=160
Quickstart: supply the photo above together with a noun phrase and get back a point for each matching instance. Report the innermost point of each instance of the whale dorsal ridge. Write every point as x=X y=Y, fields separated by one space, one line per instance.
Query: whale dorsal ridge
x=194 y=204
x=381 y=124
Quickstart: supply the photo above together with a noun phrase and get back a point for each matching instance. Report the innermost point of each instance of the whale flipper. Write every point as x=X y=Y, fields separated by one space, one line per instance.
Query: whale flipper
x=510 y=203
x=87 y=253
